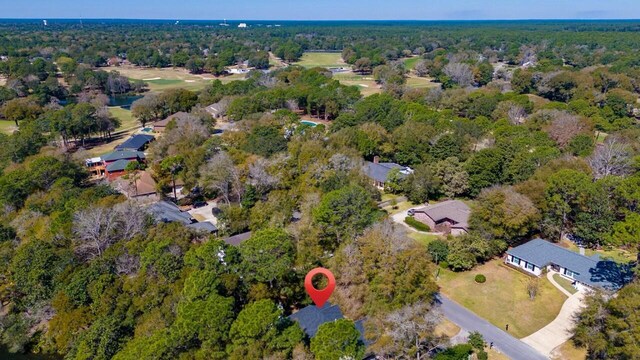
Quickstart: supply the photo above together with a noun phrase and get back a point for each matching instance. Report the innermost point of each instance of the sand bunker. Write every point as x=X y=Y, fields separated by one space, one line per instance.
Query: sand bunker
x=151 y=79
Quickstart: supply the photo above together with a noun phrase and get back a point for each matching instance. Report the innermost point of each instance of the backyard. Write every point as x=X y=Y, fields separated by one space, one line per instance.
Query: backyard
x=503 y=298
x=618 y=255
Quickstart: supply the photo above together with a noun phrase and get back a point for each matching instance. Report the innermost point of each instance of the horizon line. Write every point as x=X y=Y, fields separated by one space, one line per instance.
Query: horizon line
x=327 y=20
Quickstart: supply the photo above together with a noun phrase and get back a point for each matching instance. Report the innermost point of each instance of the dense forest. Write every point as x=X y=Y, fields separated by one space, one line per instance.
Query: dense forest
x=532 y=123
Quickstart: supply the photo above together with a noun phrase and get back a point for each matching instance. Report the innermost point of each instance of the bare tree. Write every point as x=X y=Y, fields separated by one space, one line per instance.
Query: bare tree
x=260 y=177
x=533 y=286
x=421 y=68
x=127 y=264
x=565 y=126
x=220 y=174
x=95 y=229
x=410 y=331
x=132 y=219
x=460 y=73
x=612 y=158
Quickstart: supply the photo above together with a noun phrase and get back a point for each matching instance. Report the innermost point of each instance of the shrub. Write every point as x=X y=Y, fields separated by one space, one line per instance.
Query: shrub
x=481 y=279
x=482 y=355
x=444 y=264
x=416 y=224
x=438 y=249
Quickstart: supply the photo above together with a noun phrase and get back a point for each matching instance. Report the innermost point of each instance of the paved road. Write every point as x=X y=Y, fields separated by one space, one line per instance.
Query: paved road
x=507 y=344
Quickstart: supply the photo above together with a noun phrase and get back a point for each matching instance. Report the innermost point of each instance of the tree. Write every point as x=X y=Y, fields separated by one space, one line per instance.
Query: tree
x=460 y=73
x=408 y=332
x=627 y=232
x=219 y=174
x=267 y=256
x=611 y=159
x=261 y=330
x=533 y=287
x=344 y=213
x=502 y=213
x=454 y=180
x=336 y=340
x=484 y=169
x=566 y=195
x=174 y=165
x=565 y=127
x=148 y=108
x=21 y=109
x=422 y=184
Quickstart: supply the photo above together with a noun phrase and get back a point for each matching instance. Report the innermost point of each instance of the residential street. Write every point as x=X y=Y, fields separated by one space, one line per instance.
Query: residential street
x=504 y=342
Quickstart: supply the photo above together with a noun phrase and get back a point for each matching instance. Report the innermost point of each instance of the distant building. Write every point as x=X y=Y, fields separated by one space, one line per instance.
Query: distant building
x=449 y=217
x=379 y=172
x=138 y=142
x=584 y=272
x=242 y=25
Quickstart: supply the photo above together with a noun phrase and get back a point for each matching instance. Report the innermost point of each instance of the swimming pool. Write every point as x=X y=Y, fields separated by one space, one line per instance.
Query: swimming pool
x=310 y=123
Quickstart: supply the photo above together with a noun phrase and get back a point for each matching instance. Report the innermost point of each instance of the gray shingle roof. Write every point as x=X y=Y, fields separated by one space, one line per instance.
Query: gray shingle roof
x=455 y=210
x=204 y=226
x=311 y=317
x=380 y=172
x=119 y=165
x=591 y=270
x=168 y=212
x=236 y=240
x=135 y=142
x=118 y=155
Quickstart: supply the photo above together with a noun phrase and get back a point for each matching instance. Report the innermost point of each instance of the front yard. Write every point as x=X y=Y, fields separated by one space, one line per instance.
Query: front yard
x=503 y=298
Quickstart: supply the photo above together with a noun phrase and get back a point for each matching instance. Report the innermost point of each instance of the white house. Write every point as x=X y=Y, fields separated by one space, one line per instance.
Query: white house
x=585 y=272
x=242 y=25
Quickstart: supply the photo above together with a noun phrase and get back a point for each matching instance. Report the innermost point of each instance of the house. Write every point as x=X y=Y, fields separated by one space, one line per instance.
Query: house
x=138 y=142
x=311 y=317
x=165 y=211
x=242 y=26
x=95 y=166
x=143 y=187
x=160 y=126
x=219 y=109
x=586 y=272
x=204 y=227
x=449 y=217
x=116 y=162
x=379 y=172
x=239 y=69
x=236 y=240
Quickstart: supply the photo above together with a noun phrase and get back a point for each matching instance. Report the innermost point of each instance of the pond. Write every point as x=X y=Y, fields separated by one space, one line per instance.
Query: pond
x=123 y=101
x=6 y=355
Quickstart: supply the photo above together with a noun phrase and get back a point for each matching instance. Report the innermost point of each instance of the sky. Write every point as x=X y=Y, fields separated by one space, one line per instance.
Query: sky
x=322 y=9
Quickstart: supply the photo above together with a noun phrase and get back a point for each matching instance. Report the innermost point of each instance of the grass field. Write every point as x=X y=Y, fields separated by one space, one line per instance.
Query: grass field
x=617 y=255
x=410 y=63
x=7 y=127
x=424 y=239
x=170 y=78
x=503 y=299
x=568 y=351
x=366 y=83
x=321 y=59
x=128 y=126
x=565 y=283
x=420 y=82
x=126 y=119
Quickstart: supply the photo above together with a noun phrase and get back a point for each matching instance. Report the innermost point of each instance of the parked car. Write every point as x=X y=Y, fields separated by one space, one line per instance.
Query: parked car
x=199 y=204
x=411 y=212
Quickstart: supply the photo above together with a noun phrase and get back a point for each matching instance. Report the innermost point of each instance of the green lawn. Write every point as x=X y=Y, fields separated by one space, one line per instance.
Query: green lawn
x=401 y=206
x=167 y=84
x=618 y=255
x=504 y=299
x=321 y=59
x=565 y=283
x=421 y=83
x=424 y=239
x=7 y=127
x=411 y=62
x=127 y=120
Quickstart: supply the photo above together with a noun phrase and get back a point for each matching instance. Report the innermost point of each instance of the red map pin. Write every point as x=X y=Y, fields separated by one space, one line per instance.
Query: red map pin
x=319 y=297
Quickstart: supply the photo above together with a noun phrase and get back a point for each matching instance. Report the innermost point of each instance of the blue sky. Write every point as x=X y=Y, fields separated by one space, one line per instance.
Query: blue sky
x=322 y=9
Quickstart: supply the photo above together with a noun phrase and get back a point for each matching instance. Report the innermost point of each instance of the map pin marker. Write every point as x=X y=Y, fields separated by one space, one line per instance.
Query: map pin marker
x=319 y=297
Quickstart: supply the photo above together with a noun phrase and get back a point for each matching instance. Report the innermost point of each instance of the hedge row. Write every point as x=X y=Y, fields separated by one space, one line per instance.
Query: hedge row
x=416 y=224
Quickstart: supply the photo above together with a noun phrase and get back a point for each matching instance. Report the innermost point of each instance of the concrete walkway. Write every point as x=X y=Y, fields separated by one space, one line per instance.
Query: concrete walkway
x=559 y=330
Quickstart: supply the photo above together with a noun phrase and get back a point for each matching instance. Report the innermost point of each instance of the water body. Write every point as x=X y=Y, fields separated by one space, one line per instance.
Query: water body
x=123 y=101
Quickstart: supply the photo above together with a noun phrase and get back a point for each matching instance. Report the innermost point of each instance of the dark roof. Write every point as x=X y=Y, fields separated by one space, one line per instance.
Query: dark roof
x=591 y=270
x=455 y=210
x=204 y=226
x=311 y=317
x=380 y=171
x=135 y=142
x=168 y=212
x=119 y=165
x=235 y=240
x=124 y=154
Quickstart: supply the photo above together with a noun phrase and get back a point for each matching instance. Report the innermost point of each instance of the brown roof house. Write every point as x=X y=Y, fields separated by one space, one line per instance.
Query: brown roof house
x=448 y=217
x=143 y=187
x=160 y=126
